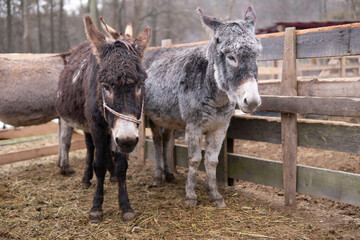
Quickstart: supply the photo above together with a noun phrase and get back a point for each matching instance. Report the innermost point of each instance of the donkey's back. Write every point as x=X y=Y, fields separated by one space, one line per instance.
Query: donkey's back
x=175 y=83
x=28 y=89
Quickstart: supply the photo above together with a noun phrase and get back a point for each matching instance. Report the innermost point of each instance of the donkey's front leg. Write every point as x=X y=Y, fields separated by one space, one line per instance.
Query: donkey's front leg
x=65 y=132
x=121 y=165
x=102 y=153
x=213 y=146
x=193 y=139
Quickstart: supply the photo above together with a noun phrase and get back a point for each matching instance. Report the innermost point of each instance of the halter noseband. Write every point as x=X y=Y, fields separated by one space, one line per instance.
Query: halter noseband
x=119 y=115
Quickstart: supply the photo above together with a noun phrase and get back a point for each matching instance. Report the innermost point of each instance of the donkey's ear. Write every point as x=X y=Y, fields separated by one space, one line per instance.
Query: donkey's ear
x=250 y=15
x=141 y=42
x=96 y=38
x=112 y=33
x=129 y=30
x=209 y=23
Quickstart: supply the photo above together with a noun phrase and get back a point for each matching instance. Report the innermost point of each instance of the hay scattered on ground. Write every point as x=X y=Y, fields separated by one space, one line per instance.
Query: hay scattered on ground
x=37 y=202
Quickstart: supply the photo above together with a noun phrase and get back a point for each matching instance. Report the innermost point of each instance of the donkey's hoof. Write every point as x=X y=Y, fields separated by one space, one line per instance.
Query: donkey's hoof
x=128 y=216
x=95 y=216
x=191 y=202
x=157 y=182
x=219 y=203
x=67 y=171
x=170 y=178
x=86 y=185
x=113 y=179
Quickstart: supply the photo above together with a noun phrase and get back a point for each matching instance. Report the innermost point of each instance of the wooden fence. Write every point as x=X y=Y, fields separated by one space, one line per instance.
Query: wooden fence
x=77 y=143
x=334 y=97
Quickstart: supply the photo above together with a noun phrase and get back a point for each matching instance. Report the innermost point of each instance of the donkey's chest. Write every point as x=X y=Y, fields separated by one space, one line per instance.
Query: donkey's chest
x=213 y=118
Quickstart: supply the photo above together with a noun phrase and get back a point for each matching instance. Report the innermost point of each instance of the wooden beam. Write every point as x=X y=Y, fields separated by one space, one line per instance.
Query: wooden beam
x=141 y=146
x=230 y=149
x=332 y=87
x=31 y=131
x=346 y=107
x=38 y=152
x=222 y=167
x=288 y=87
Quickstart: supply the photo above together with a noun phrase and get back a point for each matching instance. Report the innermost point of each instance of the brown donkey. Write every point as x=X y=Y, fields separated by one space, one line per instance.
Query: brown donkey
x=101 y=91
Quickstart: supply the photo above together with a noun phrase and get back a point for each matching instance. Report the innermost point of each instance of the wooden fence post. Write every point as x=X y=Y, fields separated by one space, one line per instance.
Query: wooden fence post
x=141 y=147
x=222 y=168
x=289 y=120
x=230 y=149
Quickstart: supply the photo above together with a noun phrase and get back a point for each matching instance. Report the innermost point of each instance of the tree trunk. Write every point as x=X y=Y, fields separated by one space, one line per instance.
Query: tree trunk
x=168 y=20
x=61 y=26
x=115 y=14
x=41 y=47
x=122 y=17
x=154 y=22
x=138 y=4
x=26 y=37
x=9 y=26
x=93 y=11
x=52 y=37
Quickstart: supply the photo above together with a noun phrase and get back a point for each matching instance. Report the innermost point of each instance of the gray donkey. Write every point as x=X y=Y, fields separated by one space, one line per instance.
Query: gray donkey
x=196 y=89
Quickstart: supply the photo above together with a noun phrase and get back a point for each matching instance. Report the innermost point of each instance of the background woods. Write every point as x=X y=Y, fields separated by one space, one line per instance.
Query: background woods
x=55 y=25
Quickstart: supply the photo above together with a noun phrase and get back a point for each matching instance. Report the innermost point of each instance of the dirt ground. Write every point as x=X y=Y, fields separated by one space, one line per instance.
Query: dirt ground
x=37 y=202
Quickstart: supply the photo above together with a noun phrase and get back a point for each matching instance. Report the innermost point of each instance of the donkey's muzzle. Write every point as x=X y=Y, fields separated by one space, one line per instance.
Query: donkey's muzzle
x=126 y=145
x=250 y=98
x=125 y=135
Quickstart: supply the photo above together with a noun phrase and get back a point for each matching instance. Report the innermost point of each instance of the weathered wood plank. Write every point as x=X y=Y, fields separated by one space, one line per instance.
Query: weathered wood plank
x=259 y=171
x=333 y=185
x=346 y=107
x=222 y=167
x=141 y=146
x=328 y=135
x=288 y=87
x=31 y=131
x=334 y=87
x=38 y=152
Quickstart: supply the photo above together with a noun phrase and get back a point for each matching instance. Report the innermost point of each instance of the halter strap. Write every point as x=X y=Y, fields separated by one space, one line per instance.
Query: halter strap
x=119 y=115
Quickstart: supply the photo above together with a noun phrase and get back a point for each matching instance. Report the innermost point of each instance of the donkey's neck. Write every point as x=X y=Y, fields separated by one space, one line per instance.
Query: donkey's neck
x=218 y=96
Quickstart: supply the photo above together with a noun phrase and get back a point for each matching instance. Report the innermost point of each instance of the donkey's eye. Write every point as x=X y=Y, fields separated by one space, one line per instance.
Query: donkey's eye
x=138 y=89
x=231 y=58
x=107 y=89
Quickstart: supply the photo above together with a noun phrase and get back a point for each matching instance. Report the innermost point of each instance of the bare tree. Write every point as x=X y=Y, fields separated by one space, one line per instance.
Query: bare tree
x=52 y=37
x=93 y=10
x=41 y=46
x=26 y=36
x=9 y=26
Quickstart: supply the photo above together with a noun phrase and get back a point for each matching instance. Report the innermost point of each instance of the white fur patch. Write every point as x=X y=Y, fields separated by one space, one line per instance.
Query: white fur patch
x=78 y=71
x=217 y=76
x=123 y=129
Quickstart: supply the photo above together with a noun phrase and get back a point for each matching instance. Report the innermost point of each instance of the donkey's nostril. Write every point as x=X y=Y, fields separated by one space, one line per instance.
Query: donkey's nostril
x=245 y=101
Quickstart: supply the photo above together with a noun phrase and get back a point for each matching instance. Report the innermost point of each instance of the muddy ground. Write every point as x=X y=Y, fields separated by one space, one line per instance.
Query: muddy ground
x=36 y=202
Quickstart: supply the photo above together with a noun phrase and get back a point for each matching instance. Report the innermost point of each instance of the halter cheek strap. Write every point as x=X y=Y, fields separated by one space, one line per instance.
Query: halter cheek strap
x=119 y=115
